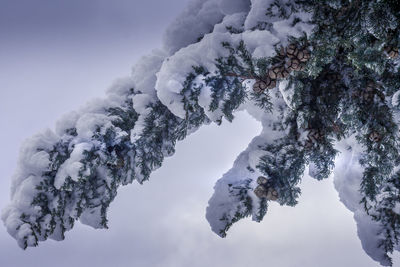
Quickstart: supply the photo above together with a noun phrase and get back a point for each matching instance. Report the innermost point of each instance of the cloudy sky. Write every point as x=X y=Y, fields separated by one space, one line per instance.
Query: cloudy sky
x=54 y=56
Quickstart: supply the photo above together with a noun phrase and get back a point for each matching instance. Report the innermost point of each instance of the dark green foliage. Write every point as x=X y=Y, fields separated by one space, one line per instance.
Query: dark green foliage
x=284 y=164
x=394 y=5
x=345 y=90
x=239 y=191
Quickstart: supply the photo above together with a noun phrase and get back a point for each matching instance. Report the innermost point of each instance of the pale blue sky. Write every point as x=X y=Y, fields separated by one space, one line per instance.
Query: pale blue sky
x=56 y=55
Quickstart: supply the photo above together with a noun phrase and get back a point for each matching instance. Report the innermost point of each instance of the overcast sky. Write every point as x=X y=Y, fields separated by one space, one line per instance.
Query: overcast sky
x=56 y=55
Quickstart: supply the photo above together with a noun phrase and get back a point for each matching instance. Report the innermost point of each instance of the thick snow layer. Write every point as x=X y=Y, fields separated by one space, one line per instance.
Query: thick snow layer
x=347 y=178
x=235 y=20
x=198 y=18
x=87 y=124
x=34 y=155
x=185 y=53
x=143 y=73
x=223 y=205
x=395 y=99
x=257 y=13
x=174 y=71
x=287 y=93
x=72 y=166
x=228 y=7
x=66 y=122
x=33 y=158
x=281 y=27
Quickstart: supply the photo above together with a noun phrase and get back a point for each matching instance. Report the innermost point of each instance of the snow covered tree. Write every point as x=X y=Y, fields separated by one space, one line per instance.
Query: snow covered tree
x=321 y=76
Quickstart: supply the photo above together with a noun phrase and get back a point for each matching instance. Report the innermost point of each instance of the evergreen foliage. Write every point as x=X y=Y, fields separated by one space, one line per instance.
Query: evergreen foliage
x=332 y=74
